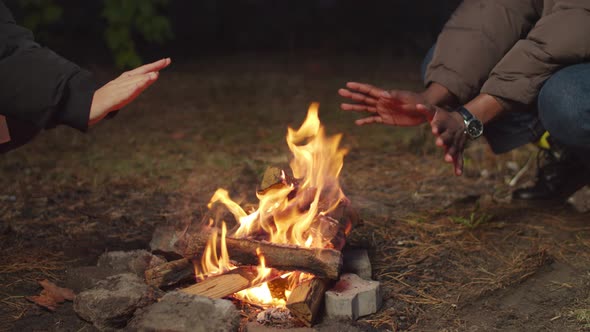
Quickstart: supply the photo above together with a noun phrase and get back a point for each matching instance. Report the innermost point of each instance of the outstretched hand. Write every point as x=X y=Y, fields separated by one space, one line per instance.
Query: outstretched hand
x=405 y=108
x=396 y=108
x=121 y=91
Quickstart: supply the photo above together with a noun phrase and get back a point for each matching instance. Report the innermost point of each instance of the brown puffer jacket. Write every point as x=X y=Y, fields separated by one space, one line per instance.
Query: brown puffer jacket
x=508 y=48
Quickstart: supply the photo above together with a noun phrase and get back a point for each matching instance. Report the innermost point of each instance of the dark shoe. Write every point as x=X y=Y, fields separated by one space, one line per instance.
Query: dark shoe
x=559 y=178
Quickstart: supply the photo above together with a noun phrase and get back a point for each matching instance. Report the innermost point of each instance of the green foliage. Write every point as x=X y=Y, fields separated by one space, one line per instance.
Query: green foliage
x=582 y=316
x=127 y=17
x=475 y=218
x=40 y=13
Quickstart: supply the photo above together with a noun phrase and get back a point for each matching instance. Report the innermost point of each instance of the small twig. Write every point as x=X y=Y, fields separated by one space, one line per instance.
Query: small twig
x=560 y=285
x=521 y=172
x=482 y=269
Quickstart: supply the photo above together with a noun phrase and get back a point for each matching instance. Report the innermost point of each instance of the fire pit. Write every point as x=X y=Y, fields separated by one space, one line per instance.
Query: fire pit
x=281 y=255
x=294 y=236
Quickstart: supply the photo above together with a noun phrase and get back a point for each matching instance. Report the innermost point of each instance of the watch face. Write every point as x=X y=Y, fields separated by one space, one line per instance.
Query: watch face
x=474 y=128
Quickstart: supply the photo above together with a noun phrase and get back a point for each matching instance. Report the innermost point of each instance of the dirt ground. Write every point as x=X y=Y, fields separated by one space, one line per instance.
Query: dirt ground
x=452 y=253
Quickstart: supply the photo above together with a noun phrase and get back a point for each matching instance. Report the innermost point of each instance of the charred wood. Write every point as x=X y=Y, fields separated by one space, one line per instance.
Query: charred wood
x=319 y=261
x=170 y=273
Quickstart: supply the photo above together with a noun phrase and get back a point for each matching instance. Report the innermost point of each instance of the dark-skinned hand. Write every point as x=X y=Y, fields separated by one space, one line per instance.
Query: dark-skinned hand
x=395 y=107
x=449 y=129
x=406 y=108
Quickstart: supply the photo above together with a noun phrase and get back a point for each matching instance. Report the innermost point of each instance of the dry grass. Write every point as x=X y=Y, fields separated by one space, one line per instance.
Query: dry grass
x=22 y=269
x=428 y=263
x=17 y=306
x=34 y=264
x=437 y=242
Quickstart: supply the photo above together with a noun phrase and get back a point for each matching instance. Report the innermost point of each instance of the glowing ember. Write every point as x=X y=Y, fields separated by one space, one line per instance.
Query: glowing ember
x=260 y=294
x=287 y=213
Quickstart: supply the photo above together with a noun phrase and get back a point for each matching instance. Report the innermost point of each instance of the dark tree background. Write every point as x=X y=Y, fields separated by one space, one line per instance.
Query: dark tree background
x=401 y=27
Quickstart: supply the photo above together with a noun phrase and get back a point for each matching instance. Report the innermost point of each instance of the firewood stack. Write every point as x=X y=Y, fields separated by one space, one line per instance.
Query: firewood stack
x=306 y=298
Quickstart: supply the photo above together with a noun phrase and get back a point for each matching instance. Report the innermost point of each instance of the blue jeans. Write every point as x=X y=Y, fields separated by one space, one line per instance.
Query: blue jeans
x=563 y=109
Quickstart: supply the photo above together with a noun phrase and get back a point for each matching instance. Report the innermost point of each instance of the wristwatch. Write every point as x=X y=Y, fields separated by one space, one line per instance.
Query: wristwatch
x=473 y=127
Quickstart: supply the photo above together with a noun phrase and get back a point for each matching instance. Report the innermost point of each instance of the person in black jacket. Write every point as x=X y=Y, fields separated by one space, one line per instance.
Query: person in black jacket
x=40 y=89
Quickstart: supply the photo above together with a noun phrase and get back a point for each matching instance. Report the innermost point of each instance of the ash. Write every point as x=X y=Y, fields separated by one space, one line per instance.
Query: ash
x=275 y=316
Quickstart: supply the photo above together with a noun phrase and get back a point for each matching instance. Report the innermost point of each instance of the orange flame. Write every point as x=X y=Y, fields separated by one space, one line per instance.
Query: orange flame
x=288 y=213
x=211 y=263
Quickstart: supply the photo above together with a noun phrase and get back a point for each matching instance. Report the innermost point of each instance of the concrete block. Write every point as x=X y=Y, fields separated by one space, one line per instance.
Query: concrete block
x=357 y=261
x=353 y=297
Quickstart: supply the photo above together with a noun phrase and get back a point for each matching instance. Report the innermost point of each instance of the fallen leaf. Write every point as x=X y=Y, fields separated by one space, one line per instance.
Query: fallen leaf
x=44 y=301
x=51 y=295
x=58 y=292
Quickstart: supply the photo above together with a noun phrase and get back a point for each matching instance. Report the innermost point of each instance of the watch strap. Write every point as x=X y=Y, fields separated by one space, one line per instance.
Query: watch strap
x=467 y=116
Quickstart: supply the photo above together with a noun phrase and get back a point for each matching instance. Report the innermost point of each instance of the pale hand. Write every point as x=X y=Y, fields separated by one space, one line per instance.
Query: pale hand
x=121 y=91
x=396 y=108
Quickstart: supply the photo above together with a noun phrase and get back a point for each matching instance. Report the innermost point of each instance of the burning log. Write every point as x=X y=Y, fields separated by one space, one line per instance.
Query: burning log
x=226 y=284
x=344 y=212
x=319 y=261
x=346 y=215
x=306 y=299
x=273 y=176
x=331 y=230
x=170 y=273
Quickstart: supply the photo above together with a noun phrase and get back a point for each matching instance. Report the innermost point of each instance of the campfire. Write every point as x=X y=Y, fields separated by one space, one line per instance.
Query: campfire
x=280 y=259
x=284 y=251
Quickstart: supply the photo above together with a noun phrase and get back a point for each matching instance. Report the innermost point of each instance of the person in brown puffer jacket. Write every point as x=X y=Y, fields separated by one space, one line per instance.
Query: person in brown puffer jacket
x=518 y=68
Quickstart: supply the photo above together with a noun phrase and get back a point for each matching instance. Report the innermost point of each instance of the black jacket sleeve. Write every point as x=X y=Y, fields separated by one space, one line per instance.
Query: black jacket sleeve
x=39 y=87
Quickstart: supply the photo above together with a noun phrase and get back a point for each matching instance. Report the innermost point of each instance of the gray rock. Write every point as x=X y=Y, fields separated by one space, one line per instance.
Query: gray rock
x=113 y=301
x=177 y=312
x=164 y=242
x=109 y=264
x=135 y=261
x=85 y=277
